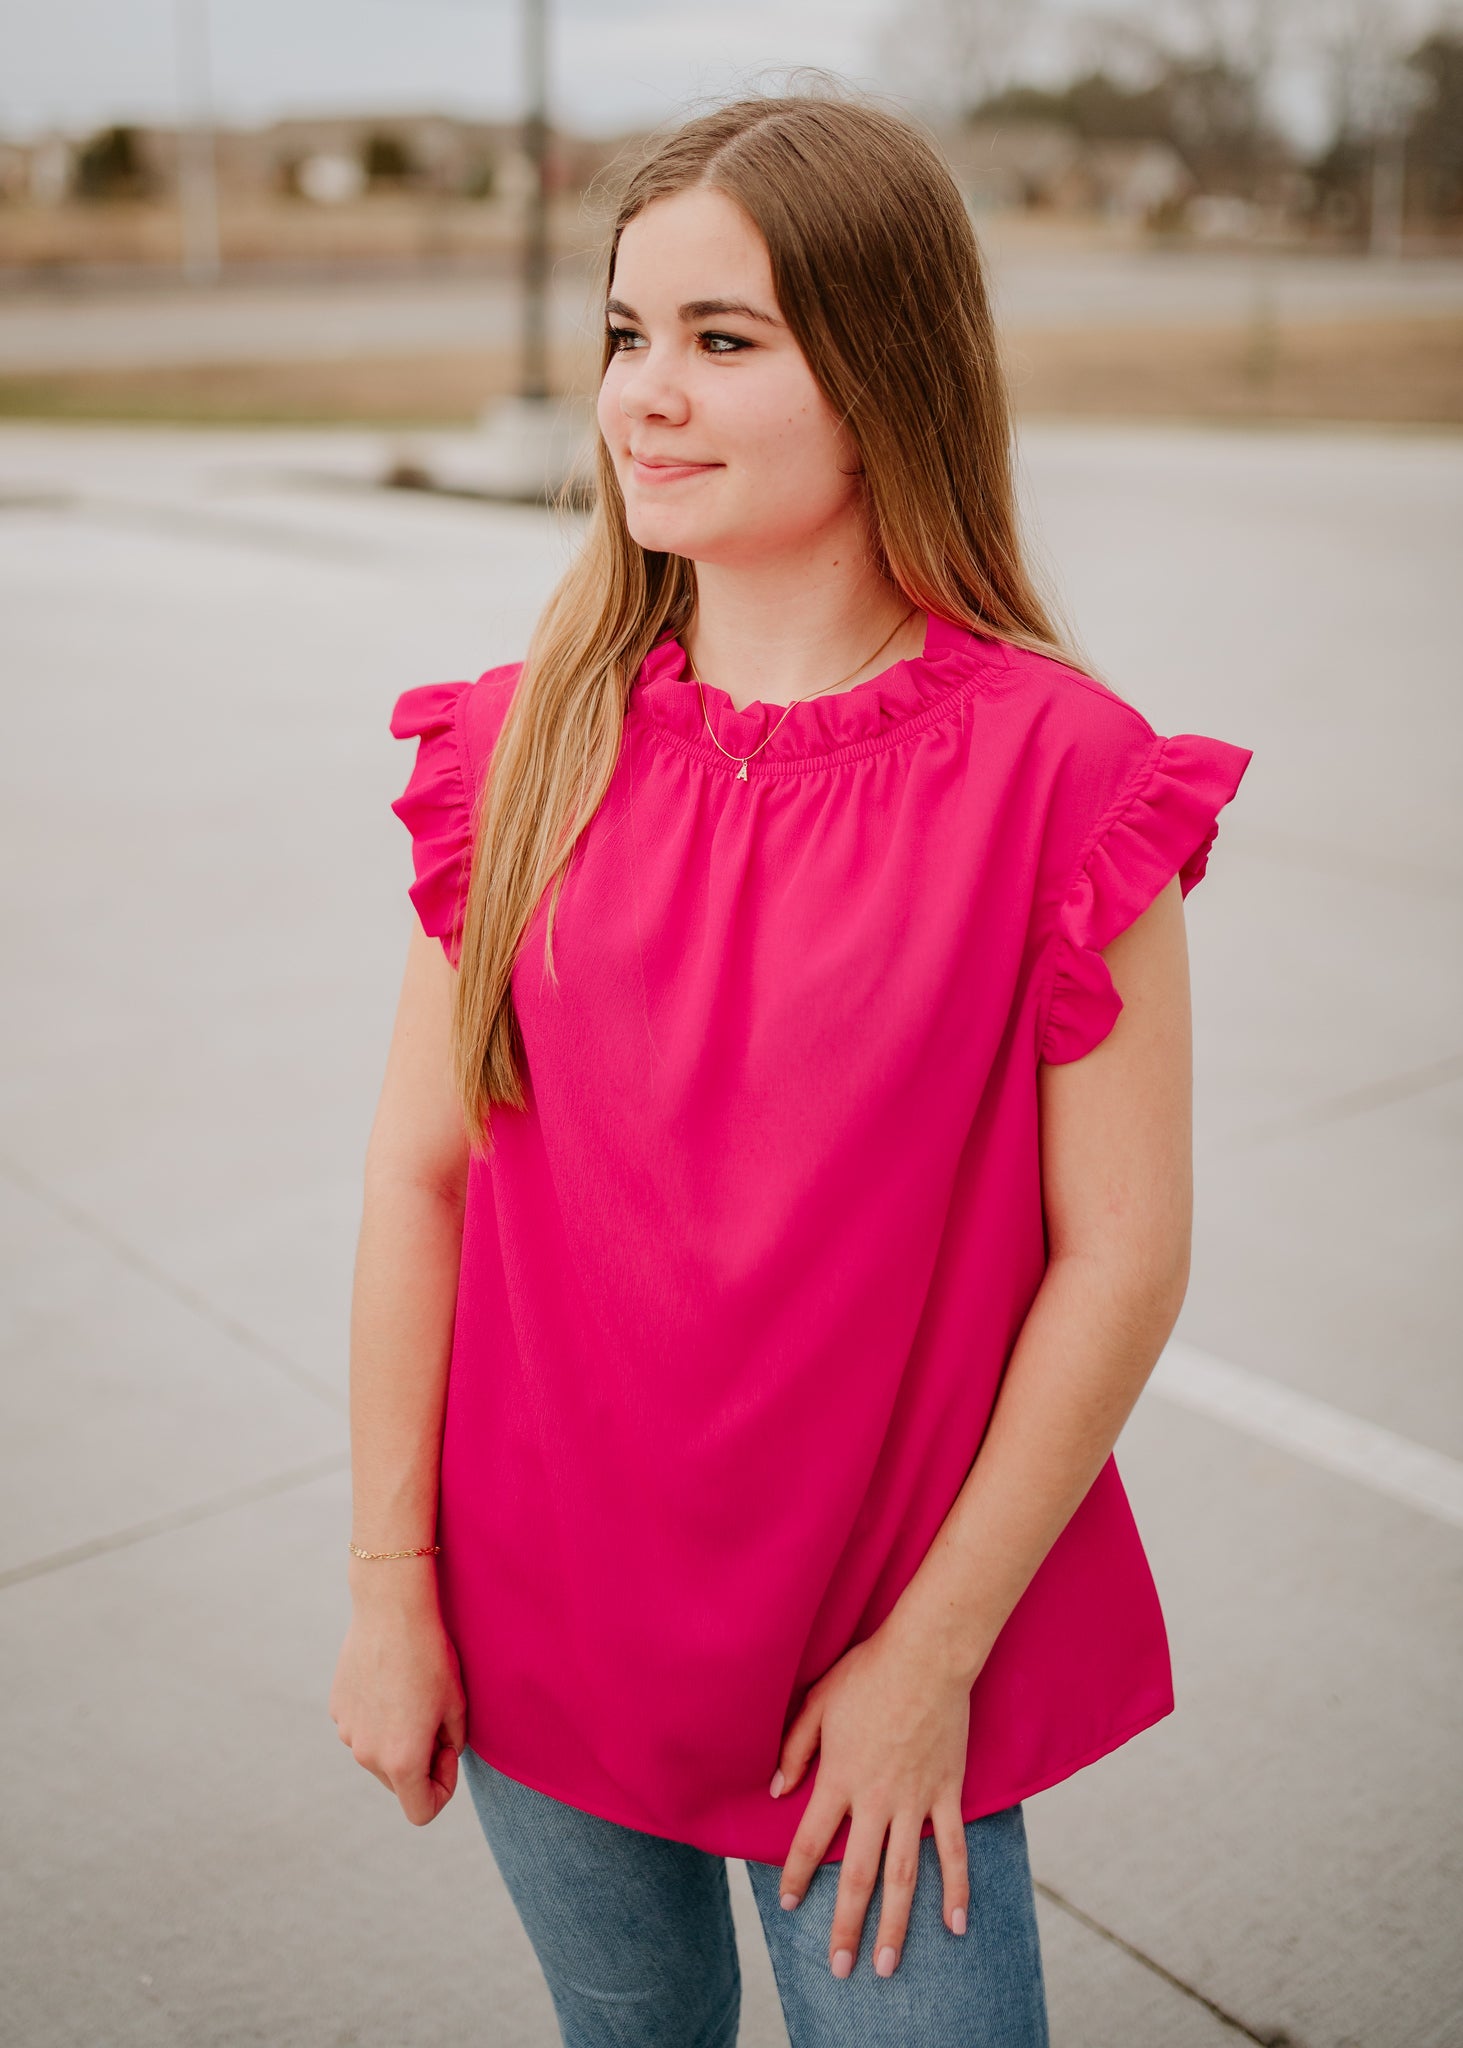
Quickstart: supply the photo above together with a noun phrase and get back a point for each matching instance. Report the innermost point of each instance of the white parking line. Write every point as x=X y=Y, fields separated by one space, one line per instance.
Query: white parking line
x=1313 y=1430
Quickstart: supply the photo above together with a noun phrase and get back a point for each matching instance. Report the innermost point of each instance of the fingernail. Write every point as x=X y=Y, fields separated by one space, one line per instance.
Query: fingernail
x=957 y=1920
x=843 y=1962
x=777 y=1783
x=885 y=1962
x=789 y=1900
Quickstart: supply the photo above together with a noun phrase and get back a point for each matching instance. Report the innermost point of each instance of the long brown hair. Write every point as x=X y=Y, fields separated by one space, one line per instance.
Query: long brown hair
x=840 y=189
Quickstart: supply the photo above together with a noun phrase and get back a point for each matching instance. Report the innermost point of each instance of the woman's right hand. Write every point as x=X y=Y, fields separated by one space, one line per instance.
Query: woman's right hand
x=397 y=1701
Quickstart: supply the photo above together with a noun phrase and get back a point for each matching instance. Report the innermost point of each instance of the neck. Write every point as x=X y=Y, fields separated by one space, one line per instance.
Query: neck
x=774 y=632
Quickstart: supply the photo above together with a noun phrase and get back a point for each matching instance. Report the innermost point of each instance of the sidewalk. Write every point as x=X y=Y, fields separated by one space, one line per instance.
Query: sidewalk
x=201 y=636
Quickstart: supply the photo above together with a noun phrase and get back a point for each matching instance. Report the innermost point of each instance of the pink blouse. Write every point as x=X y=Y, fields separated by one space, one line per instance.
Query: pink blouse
x=739 y=1283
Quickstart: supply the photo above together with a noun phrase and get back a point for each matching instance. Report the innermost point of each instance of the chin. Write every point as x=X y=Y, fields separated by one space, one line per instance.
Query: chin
x=666 y=536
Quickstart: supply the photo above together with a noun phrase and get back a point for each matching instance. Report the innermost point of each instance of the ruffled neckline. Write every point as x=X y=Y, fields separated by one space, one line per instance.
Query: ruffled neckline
x=952 y=659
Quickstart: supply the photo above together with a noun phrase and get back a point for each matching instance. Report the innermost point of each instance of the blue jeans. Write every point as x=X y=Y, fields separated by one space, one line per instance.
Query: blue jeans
x=634 y=1934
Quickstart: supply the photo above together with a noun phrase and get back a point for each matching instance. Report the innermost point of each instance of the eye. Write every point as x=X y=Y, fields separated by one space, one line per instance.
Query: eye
x=622 y=337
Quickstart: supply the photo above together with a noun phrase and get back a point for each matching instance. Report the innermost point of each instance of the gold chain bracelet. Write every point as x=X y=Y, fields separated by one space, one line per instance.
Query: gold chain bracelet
x=378 y=1556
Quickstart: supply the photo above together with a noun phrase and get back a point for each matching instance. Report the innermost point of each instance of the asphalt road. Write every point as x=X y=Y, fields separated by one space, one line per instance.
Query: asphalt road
x=165 y=323
x=205 y=918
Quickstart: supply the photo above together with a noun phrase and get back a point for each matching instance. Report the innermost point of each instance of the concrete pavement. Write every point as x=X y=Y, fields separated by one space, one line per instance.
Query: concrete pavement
x=205 y=918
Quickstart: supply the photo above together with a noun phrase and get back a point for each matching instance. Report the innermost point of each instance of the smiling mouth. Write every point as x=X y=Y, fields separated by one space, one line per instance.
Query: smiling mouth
x=671 y=469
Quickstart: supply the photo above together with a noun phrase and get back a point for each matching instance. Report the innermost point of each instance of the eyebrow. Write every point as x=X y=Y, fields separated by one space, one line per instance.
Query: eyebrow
x=699 y=309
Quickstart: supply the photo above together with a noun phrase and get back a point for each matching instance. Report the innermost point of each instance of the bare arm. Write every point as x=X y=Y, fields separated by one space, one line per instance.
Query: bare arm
x=1118 y=1195
x=397 y=1698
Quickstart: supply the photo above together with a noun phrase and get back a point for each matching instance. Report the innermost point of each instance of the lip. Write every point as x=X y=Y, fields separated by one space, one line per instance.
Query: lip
x=659 y=471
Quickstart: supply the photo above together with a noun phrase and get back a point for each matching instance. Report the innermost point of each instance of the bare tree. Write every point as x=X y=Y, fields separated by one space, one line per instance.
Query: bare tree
x=1219 y=60
x=1356 y=49
x=1360 y=48
x=949 y=55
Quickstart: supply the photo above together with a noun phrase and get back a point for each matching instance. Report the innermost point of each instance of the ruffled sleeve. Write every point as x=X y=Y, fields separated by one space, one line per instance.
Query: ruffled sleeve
x=435 y=808
x=1164 y=824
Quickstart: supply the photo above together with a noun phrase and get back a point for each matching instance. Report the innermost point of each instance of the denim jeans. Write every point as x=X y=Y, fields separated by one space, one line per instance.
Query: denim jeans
x=634 y=1934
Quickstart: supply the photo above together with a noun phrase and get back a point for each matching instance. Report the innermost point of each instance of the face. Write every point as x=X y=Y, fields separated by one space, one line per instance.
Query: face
x=725 y=449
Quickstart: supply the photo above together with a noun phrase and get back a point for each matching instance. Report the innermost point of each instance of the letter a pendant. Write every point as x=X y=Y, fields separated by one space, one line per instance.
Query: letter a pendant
x=741 y=775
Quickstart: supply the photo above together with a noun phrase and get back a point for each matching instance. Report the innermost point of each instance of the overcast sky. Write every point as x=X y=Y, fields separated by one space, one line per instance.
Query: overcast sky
x=615 y=62
x=75 y=64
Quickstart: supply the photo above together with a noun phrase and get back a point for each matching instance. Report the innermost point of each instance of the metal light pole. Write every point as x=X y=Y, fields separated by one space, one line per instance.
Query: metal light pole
x=197 y=179
x=530 y=447
x=534 y=382
x=1399 y=95
x=1389 y=170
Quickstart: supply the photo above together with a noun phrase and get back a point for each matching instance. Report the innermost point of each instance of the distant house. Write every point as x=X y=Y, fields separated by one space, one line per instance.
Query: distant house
x=1128 y=180
x=41 y=171
x=330 y=158
x=1011 y=163
x=15 y=171
x=1029 y=163
x=329 y=177
x=417 y=152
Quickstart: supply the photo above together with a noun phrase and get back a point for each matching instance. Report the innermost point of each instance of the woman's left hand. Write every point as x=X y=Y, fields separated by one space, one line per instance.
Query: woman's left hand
x=892 y=1723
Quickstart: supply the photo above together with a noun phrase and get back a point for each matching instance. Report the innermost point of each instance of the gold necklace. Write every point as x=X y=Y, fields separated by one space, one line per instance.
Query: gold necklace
x=741 y=774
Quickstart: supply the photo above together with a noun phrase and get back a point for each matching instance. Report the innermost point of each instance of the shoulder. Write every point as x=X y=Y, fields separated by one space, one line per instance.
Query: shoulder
x=1070 y=714
x=484 y=707
x=455 y=726
x=1123 y=808
x=458 y=720
x=1106 y=771
x=1079 y=743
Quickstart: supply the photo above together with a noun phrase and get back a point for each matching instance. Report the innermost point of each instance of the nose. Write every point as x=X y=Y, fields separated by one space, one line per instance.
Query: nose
x=650 y=388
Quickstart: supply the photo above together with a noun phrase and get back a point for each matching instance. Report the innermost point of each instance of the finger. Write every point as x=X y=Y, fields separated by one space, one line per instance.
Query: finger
x=901 y=1869
x=454 y=1726
x=417 y=1798
x=856 y=1881
x=954 y=1863
x=798 y=1746
x=444 y=1772
x=816 y=1829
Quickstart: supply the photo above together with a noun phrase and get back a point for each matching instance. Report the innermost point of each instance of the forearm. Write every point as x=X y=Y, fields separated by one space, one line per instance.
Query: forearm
x=402 y=1308
x=1086 y=1348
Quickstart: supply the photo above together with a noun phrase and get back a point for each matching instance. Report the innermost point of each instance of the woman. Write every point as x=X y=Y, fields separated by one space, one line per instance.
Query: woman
x=799 y=1188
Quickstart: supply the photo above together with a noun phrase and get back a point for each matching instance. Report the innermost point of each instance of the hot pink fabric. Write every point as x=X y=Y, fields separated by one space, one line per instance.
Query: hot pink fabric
x=738 y=1286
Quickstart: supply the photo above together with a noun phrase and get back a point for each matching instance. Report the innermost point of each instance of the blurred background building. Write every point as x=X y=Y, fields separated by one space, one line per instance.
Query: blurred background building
x=1278 y=182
